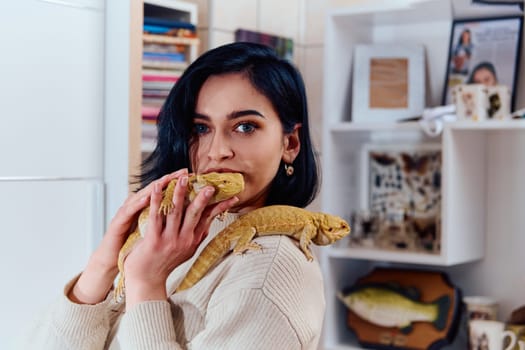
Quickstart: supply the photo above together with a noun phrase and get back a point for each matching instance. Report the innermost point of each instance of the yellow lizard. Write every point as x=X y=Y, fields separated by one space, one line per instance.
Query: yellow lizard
x=226 y=186
x=298 y=223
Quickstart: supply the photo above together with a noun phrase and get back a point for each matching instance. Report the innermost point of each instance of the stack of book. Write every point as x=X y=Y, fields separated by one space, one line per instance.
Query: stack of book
x=165 y=56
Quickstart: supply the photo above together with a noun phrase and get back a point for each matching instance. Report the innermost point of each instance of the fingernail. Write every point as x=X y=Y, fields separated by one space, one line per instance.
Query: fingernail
x=209 y=192
x=184 y=180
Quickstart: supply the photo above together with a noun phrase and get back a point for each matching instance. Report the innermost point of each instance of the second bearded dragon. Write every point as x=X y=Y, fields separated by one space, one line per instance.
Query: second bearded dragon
x=300 y=224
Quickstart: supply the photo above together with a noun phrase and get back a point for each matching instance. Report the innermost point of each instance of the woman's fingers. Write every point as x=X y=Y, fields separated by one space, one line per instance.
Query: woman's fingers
x=146 y=191
x=174 y=217
x=194 y=212
x=154 y=218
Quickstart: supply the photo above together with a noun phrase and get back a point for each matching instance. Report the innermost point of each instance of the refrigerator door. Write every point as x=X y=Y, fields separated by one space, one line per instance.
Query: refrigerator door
x=49 y=229
x=51 y=88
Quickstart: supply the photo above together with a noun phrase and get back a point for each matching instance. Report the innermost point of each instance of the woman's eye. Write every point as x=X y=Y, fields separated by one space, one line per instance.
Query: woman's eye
x=200 y=128
x=245 y=127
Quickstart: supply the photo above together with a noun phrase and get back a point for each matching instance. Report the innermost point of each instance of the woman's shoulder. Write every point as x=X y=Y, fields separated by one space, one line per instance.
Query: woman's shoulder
x=278 y=264
x=282 y=276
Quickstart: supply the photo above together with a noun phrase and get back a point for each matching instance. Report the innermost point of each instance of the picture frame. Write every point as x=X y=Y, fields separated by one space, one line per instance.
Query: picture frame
x=401 y=186
x=388 y=82
x=284 y=47
x=484 y=50
x=500 y=2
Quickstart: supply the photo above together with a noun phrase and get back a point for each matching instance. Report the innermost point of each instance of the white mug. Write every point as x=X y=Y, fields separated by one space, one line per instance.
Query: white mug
x=490 y=335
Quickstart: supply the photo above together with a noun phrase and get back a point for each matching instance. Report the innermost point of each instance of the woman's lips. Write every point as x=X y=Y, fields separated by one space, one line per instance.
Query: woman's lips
x=220 y=170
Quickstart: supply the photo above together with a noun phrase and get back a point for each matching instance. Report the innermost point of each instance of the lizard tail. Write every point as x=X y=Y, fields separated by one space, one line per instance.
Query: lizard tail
x=118 y=294
x=209 y=256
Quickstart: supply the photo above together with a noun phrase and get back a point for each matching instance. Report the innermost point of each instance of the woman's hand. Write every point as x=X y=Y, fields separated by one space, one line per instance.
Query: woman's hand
x=168 y=241
x=97 y=278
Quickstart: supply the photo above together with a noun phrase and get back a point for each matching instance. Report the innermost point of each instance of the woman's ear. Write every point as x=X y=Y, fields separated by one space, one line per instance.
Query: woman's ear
x=292 y=145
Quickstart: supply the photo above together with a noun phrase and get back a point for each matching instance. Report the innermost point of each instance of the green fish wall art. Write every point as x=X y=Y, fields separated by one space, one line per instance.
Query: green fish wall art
x=388 y=305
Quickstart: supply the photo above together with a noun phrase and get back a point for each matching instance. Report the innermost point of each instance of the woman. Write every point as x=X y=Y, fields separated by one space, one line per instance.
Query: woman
x=236 y=108
x=484 y=73
x=462 y=53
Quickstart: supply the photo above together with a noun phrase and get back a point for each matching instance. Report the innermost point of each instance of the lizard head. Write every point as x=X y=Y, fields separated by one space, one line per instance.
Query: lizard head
x=331 y=228
x=226 y=185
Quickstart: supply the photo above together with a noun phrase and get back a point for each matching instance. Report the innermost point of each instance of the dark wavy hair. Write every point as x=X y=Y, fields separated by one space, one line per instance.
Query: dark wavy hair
x=482 y=65
x=275 y=78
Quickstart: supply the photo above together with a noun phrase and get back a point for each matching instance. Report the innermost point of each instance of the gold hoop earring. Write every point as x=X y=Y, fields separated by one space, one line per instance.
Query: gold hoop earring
x=288 y=168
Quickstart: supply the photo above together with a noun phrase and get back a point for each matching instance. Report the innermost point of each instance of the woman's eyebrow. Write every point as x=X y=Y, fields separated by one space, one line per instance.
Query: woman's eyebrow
x=234 y=114
x=238 y=114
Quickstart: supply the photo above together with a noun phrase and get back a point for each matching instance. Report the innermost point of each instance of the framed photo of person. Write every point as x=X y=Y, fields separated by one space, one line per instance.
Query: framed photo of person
x=484 y=51
x=388 y=82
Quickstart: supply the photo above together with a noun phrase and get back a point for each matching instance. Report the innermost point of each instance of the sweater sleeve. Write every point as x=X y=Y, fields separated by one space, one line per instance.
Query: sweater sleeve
x=266 y=301
x=248 y=320
x=67 y=325
x=148 y=325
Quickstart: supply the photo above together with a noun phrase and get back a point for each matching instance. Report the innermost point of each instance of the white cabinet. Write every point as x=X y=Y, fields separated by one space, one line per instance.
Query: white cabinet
x=52 y=80
x=483 y=165
x=49 y=230
x=51 y=146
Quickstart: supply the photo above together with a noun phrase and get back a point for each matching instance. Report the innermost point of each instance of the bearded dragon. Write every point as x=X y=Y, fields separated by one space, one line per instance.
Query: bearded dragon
x=302 y=225
x=226 y=186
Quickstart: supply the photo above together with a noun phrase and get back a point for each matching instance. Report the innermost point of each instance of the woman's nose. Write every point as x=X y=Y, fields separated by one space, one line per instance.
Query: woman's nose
x=220 y=147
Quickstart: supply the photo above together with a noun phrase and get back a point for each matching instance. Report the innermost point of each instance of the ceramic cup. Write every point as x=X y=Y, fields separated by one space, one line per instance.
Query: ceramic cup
x=519 y=330
x=481 y=308
x=490 y=335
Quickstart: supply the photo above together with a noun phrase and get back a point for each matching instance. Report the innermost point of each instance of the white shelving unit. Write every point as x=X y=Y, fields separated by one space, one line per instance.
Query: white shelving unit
x=483 y=166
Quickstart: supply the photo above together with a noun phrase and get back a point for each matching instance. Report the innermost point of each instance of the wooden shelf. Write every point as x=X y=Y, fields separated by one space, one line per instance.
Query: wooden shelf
x=170 y=11
x=171 y=40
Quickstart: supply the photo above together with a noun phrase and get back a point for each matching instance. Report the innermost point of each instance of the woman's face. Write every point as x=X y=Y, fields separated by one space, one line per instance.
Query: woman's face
x=465 y=37
x=484 y=76
x=237 y=129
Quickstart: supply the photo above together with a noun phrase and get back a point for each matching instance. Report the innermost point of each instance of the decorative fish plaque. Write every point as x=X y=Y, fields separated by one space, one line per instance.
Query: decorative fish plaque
x=403 y=309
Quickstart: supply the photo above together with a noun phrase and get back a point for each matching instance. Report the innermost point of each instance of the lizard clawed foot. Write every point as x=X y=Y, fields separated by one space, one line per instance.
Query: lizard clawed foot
x=165 y=207
x=222 y=216
x=119 y=290
x=240 y=249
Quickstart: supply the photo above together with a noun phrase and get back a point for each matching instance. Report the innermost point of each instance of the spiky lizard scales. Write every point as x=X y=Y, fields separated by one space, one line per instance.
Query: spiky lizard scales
x=302 y=225
x=226 y=186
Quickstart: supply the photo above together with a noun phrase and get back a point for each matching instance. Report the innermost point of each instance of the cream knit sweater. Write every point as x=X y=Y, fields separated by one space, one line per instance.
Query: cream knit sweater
x=269 y=299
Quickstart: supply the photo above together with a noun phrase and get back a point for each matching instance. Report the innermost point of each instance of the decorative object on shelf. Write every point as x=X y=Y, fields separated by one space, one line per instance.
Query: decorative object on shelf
x=479 y=102
x=403 y=309
x=500 y=2
x=519 y=331
x=484 y=51
x=282 y=46
x=402 y=186
x=388 y=82
x=433 y=119
x=481 y=308
x=365 y=223
x=518 y=114
x=388 y=305
x=490 y=335
x=517 y=316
